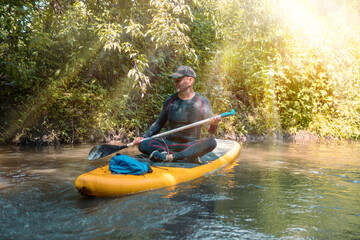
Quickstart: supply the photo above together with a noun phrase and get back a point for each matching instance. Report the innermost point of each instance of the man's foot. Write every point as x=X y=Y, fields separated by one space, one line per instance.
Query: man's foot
x=157 y=156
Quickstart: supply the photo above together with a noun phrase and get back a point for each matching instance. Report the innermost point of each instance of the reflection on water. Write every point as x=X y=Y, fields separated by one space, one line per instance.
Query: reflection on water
x=276 y=190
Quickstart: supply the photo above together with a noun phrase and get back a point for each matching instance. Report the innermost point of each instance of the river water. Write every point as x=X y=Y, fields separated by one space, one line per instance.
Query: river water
x=275 y=190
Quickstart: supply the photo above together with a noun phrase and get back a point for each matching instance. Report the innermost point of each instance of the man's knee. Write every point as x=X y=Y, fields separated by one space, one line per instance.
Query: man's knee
x=211 y=142
x=143 y=146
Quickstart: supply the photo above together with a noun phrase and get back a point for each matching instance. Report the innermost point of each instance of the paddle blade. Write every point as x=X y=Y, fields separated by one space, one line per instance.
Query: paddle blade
x=100 y=151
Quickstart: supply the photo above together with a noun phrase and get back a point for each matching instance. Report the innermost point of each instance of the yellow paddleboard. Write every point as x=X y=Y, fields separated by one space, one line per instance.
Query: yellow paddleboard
x=102 y=183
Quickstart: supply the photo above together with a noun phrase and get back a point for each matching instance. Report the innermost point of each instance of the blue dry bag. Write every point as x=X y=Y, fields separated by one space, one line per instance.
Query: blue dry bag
x=124 y=164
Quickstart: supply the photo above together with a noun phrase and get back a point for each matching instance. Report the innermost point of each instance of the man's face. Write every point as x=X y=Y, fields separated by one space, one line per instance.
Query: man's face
x=182 y=83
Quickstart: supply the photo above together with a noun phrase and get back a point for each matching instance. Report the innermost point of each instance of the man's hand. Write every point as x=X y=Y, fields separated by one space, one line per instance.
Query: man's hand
x=137 y=140
x=215 y=119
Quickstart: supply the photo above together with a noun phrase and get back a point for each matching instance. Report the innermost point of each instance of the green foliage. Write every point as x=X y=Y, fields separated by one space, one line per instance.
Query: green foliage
x=68 y=59
x=276 y=81
x=71 y=71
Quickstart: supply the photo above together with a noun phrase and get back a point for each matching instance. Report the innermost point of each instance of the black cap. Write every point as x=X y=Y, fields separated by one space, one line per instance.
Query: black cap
x=183 y=71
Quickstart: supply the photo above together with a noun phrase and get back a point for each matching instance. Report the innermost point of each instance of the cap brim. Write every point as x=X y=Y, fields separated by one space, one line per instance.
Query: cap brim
x=176 y=75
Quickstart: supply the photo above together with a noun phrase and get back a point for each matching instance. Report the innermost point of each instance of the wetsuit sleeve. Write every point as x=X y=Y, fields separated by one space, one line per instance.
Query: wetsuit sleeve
x=160 y=121
x=208 y=114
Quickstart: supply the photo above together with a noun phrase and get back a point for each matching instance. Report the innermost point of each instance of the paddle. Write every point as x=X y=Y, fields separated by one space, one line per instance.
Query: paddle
x=100 y=151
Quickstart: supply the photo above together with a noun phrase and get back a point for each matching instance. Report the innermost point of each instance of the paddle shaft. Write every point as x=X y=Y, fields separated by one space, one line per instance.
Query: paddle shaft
x=100 y=151
x=185 y=127
x=174 y=130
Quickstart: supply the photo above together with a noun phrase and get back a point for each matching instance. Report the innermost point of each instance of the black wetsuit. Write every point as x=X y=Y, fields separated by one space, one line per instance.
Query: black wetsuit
x=186 y=144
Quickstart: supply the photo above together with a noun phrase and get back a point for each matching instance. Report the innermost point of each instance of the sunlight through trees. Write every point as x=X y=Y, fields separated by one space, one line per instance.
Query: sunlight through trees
x=74 y=71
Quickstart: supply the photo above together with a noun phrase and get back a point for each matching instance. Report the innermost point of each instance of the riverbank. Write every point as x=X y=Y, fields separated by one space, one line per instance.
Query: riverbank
x=121 y=137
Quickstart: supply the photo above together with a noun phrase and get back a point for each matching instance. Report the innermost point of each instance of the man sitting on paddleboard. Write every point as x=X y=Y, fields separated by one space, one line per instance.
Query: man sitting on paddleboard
x=180 y=109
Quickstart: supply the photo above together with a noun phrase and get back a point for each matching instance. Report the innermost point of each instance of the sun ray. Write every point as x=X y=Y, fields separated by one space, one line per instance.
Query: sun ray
x=321 y=25
x=33 y=112
x=330 y=29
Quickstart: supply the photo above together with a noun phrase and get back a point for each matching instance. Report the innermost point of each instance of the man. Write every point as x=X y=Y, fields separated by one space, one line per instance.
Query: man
x=180 y=109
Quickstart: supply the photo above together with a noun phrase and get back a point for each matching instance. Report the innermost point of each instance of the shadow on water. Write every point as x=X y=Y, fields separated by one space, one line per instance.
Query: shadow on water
x=276 y=190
